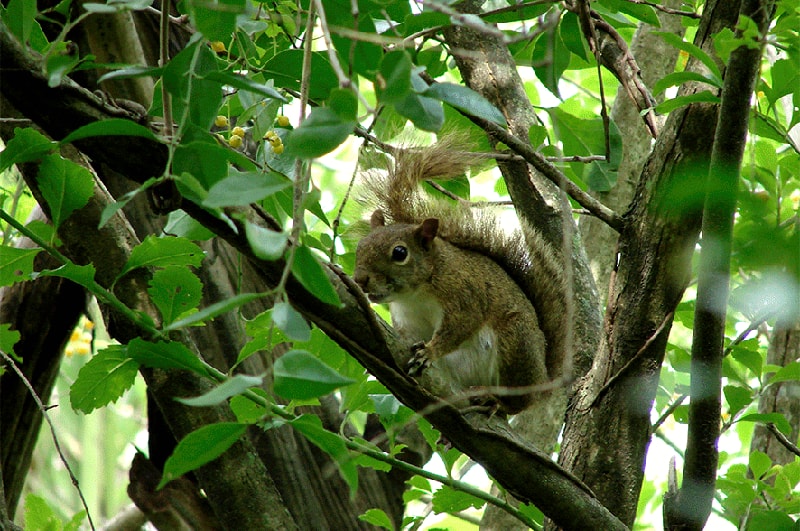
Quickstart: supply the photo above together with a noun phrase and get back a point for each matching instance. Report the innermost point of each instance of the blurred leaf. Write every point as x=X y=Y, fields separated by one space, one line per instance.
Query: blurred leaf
x=299 y=375
x=775 y=418
x=290 y=322
x=678 y=78
x=322 y=132
x=235 y=385
x=9 y=338
x=286 y=70
x=737 y=397
x=200 y=447
x=104 y=378
x=759 y=463
x=378 y=518
x=788 y=373
x=394 y=78
x=82 y=275
x=550 y=59
x=195 y=98
x=181 y=224
x=245 y=83
x=330 y=443
x=677 y=42
x=266 y=244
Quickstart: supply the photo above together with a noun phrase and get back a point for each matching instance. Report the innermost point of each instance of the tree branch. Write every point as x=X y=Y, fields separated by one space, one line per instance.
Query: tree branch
x=692 y=505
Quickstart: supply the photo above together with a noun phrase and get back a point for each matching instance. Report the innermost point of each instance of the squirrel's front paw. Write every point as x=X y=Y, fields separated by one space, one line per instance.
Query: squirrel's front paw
x=419 y=361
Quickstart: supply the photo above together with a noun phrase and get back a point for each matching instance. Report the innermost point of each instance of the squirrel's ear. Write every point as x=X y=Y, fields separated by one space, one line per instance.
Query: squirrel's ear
x=428 y=230
x=377 y=219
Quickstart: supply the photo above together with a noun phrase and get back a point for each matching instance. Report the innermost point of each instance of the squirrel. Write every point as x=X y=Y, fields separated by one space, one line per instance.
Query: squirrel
x=481 y=308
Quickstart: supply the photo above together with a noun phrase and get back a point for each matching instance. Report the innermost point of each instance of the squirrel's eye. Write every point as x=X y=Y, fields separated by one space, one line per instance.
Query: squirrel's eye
x=399 y=253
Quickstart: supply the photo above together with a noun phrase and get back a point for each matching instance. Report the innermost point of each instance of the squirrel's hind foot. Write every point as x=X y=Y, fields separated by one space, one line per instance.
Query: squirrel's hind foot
x=419 y=361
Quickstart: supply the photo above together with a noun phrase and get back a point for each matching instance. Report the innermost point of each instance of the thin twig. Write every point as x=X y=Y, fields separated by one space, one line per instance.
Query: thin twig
x=60 y=452
x=163 y=59
x=783 y=439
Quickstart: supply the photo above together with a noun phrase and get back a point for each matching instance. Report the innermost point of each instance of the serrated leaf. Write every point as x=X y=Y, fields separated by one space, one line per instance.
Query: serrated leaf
x=200 y=447
x=83 y=275
x=28 y=145
x=299 y=375
x=9 y=338
x=103 y=379
x=330 y=443
x=175 y=290
x=243 y=188
x=449 y=500
x=737 y=397
x=165 y=355
x=467 y=100
x=65 y=186
x=308 y=271
x=110 y=127
x=320 y=133
x=162 y=252
x=266 y=244
x=16 y=265
x=377 y=517
x=788 y=373
x=39 y=515
x=218 y=308
x=235 y=385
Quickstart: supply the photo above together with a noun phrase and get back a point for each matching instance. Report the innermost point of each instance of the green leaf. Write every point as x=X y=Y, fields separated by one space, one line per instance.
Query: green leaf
x=550 y=59
x=162 y=252
x=677 y=41
x=244 y=83
x=344 y=103
x=116 y=6
x=738 y=398
x=308 y=271
x=775 y=520
x=677 y=78
x=572 y=36
x=9 y=338
x=218 y=308
x=775 y=418
x=377 y=517
x=165 y=355
x=760 y=463
x=200 y=447
x=132 y=72
x=181 y=224
x=467 y=100
x=65 y=186
x=788 y=373
x=195 y=99
x=21 y=18
x=332 y=444
x=246 y=410
x=426 y=113
x=266 y=244
x=110 y=127
x=216 y=20
x=320 y=133
x=83 y=275
x=299 y=375
x=206 y=162
x=235 y=385
x=175 y=290
x=394 y=78
x=449 y=500
x=16 y=265
x=286 y=69
x=39 y=515
x=243 y=188
x=113 y=208
x=103 y=379
x=28 y=145
x=290 y=322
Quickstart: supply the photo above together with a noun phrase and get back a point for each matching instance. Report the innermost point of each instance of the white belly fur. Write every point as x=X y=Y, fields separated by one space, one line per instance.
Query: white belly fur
x=472 y=364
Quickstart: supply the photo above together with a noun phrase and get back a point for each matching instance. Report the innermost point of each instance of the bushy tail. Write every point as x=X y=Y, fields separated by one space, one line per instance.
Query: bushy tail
x=524 y=254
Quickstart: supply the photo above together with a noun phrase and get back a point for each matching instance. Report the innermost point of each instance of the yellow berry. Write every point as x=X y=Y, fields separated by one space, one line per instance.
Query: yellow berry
x=277 y=149
x=235 y=141
x=218 y=46
x=270 y=136
x=88 y=325
x=238 y=131
x=221 y=121
x=76 y=335
x=795 y=199
x=283 y=121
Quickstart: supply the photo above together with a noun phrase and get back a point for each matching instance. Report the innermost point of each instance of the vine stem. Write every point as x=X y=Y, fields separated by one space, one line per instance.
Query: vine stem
x=60 y=452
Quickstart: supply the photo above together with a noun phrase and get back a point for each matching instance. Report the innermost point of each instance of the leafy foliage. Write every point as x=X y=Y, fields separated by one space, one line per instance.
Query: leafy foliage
x=369 y=84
